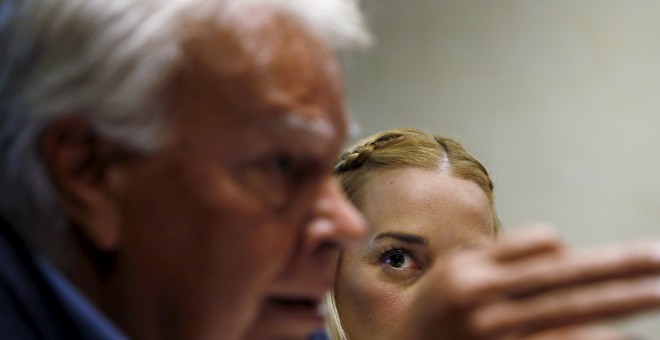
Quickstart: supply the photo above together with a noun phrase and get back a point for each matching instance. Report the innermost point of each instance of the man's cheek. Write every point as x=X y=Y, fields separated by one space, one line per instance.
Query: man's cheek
x=261 y=189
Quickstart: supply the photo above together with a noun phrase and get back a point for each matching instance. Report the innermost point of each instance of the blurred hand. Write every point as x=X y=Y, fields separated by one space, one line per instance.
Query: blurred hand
x=527 y=285
x=582 y=332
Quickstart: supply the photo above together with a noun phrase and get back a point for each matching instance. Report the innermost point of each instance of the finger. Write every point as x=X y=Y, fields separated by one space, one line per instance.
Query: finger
x=524 y=243
x=586 y=303
x=566 y=268
x=471 y=276
x=581 y=332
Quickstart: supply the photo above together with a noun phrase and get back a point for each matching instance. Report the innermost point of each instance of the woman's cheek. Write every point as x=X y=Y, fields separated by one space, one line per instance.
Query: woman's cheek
x=377 y=307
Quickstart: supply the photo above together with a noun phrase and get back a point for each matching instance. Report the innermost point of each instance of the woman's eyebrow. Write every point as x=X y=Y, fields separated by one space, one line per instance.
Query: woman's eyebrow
x=404 y=237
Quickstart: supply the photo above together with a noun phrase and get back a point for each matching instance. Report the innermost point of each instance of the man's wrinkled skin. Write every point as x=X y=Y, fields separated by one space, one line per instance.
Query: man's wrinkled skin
x=238 y=212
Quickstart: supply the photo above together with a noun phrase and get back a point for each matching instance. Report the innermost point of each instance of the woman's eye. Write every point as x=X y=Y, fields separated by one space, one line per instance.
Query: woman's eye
x=398 y=259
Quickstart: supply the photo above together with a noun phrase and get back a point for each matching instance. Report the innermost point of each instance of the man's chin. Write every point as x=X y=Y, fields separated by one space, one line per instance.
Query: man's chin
x=287 y=319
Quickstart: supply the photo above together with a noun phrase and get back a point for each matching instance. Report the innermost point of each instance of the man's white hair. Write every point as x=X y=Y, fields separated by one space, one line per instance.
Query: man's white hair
x=107 y=60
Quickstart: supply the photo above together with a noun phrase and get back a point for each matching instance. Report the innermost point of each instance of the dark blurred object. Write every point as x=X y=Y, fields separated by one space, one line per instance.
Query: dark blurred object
x=30 y=308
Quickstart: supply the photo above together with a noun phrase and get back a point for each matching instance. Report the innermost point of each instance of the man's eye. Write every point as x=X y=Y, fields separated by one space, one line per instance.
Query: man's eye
x=400 y=259
x=283 y=165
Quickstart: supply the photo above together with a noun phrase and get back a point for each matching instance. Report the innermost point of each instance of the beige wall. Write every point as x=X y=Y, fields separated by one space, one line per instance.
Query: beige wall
x=560 y=99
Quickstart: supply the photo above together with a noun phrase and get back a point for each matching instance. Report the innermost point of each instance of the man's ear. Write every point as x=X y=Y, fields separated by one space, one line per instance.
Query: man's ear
x=80 y=164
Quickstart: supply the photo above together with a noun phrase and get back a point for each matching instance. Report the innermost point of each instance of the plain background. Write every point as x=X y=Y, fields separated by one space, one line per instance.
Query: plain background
x=559 y=99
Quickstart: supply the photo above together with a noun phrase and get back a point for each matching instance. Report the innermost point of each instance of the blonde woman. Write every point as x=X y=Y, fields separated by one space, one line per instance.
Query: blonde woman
x=425 y=197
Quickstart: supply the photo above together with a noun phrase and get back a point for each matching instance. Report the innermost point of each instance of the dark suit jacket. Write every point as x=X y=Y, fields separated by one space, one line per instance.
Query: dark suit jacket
x=29 y=309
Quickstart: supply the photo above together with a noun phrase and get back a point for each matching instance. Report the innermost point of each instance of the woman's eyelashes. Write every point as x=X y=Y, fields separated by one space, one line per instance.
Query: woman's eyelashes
x=399 y=259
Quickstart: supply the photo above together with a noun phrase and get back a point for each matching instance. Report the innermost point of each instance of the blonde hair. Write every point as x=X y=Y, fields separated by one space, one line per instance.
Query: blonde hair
x=332 y=320
x=395 y=149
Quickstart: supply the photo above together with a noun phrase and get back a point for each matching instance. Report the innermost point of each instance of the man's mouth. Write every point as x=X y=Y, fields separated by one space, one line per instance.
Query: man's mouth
x=297 y=304
x=292 y=314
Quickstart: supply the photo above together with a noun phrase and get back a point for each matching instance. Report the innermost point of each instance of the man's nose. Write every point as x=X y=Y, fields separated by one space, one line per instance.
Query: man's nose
x=336 y=221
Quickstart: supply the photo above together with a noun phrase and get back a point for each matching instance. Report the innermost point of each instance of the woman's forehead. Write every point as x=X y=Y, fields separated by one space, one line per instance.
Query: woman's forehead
x=413 y=198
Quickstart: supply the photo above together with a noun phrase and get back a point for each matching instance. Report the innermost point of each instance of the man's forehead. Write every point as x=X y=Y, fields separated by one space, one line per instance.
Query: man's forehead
x=288 y=74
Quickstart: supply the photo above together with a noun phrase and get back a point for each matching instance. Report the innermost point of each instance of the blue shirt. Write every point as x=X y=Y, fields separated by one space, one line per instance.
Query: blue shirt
x=319 y=335
x=90 y=321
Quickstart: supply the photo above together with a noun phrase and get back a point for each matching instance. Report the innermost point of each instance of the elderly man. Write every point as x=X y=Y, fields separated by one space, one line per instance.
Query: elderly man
x=167 y=163
x=166 y=173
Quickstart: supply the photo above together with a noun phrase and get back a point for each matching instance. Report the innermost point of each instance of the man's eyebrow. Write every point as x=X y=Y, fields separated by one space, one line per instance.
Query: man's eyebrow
x=310 y=134
x=404 y=237
x=295 y=124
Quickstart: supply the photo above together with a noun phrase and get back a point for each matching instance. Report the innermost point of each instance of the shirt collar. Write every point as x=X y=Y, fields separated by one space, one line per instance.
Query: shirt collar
x=92 y=323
